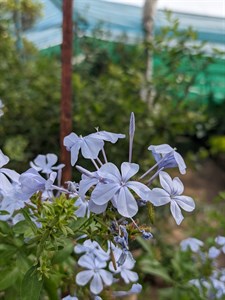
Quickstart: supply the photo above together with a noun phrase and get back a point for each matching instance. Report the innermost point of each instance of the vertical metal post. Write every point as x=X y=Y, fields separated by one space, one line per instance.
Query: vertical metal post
x=149 y=11
x=66 y=95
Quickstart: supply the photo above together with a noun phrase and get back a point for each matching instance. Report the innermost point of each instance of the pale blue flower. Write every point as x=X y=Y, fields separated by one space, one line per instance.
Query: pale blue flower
x=7 y=176
x=135 y=289
x=45 y=163
x=13 y=199
x=82 y=208
x=116 y=187
x=92 y=248
x=95 y=273
x=70 y=298
x=191 y=243
x=167 y=157
x=220 y=240
x=125 y=269
x=108 y=136
x=89 y=145
x=171 y=193
x=31 y=182
x=213 y=252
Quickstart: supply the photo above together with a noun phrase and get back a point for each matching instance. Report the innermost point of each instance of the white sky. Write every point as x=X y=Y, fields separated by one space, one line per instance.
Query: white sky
x=203 y=7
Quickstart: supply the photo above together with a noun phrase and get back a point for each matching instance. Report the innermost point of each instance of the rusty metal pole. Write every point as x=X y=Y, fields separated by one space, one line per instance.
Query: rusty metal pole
x=66 y=92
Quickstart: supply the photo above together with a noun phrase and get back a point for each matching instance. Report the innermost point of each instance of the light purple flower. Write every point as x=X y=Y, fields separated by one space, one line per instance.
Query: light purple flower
x=95 y=273
x=167 y=157
x=92 y=248
x=70 y=298
x=191 y=243
x=7 y=176
x=116 y=187
x=220 y=240
x=45 y=163
x=31 y=182
x=82 y=208
x=13 y=199
x=135 y=289
x=125 y=269
x=89 y=145
x=108 y=136
x=171 y=193
x=213 y=252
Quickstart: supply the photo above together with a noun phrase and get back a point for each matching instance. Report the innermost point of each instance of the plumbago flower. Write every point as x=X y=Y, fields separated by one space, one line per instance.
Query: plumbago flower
x=172 y=193
x=45 y=163
x=89 y=145
x=95 y=273
x=116 y=193
x=117 y=187
x=31 y=182
x=167 y=157
x=211 y=283
x=125 y=269
x=191 y=243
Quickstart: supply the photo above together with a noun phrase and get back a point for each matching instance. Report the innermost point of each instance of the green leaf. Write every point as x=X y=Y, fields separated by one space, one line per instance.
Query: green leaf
x=156 y=272
x=20 y=227
x=4 y=227
x=63 y=254
x=28 y=219
x=6 y=254
x=8 y=278
x=51 y=288
x=31 y=285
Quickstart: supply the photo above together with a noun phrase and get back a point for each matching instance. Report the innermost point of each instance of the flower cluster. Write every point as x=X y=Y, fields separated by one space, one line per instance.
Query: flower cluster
x=100 y=270
x=213 y=285
x=114 y=193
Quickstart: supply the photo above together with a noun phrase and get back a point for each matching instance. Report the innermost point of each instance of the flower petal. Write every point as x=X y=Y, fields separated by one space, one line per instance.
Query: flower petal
x=90 y=147
x=106 y=276
x=129 y=276
x=180 y=162
x=74 y=153
x=164 y=148
x=70 y=140
x=139 y=188
x=176 y=212
x=85 y=185
x=51 y=159
x=128 y=170
x=104 y=192
x=158 y=197
x=108 y=136
x=83 y=277
x=40 y=160
x=97 y=209
x=109 y=170
x=96 y=285
x=13 y=175
x=126 y=204
x=5 y=184
x=178 y=187
x=166 y=182
x=3 y=159
x=86 y=261
x=185 y=202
